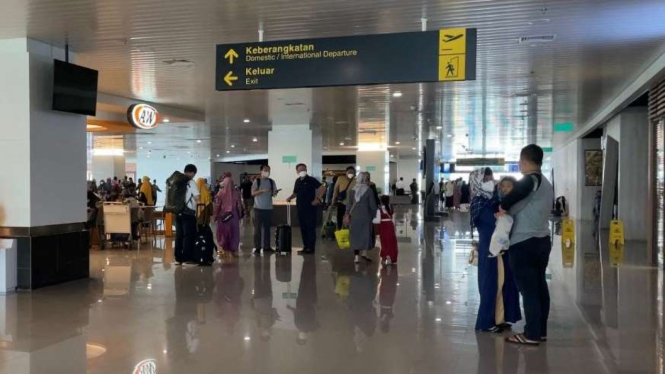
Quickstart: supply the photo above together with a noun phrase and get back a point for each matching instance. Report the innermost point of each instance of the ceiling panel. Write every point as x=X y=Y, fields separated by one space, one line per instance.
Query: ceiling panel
x=521 y=89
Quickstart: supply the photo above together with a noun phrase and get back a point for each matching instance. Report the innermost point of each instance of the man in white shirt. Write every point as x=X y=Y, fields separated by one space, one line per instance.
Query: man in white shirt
x=400 y=187
x=185 y=236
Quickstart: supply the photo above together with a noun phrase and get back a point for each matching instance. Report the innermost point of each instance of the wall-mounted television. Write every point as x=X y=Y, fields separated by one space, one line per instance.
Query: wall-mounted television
x=74 y=88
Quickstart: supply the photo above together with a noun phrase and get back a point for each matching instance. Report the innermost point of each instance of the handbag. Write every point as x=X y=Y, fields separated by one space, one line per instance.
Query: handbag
x=226 y=216
x=343 y=238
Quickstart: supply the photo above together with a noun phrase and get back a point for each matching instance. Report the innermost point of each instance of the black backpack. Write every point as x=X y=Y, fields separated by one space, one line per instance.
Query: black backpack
x=176 y=193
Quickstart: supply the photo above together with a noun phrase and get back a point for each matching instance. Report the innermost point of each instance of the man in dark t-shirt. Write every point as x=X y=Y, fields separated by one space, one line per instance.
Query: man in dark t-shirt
x=308 y=192
x=247 y=198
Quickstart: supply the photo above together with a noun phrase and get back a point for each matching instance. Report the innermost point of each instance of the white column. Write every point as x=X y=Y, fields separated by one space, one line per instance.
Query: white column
x=292 y=139
x=287 y=147
x=43 y=151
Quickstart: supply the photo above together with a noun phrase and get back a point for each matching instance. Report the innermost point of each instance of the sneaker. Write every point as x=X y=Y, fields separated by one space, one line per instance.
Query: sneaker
x=356 y=260
x=388 y=262
x=256 y=252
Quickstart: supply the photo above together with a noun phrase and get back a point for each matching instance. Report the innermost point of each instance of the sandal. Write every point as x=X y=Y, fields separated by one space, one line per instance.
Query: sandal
x=521 y=340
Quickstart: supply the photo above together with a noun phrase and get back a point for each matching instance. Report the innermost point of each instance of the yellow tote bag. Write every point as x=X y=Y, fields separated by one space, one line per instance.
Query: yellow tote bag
x=343 y=239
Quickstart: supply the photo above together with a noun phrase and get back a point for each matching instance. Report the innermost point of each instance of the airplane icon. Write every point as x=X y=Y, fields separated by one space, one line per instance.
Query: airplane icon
x=450 y=38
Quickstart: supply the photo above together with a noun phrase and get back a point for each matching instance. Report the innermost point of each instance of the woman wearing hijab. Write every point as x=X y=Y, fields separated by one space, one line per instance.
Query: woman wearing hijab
x=204 y=213
x=360 y=216
x=145 y=192
x=228 y=213
x=499 y=298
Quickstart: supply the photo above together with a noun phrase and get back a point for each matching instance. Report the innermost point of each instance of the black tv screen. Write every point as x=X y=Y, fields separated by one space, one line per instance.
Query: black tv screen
x=74 y=88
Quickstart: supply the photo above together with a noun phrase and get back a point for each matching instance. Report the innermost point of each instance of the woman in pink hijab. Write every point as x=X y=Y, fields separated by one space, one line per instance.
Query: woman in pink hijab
x=228 y=213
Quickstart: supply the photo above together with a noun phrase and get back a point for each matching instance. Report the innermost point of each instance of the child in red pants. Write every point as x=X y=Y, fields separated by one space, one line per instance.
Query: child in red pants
x=387 y=233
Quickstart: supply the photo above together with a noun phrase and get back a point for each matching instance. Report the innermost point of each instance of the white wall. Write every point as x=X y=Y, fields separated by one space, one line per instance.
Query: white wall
x=160 y=169
x=569 y=178
x=631 y=129
x=104 y=167
x=408 y=169
x=376 y=160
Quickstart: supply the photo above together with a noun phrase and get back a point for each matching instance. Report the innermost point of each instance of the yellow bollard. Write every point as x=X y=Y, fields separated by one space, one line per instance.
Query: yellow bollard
x=568 y=242
x=616 y=243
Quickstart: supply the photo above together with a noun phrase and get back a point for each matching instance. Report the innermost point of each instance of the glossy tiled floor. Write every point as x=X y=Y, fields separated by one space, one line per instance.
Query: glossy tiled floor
x=322 y=314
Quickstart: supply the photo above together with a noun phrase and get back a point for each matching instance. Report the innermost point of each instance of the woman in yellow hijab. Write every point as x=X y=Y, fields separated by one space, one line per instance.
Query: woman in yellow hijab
x=205 y=198
x=146 y=196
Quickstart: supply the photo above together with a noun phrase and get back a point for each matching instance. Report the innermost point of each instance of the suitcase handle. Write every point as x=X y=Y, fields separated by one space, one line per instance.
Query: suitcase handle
x=288 y=213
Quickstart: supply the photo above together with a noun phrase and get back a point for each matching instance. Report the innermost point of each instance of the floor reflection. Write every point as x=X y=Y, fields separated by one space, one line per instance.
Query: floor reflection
x=325 y=314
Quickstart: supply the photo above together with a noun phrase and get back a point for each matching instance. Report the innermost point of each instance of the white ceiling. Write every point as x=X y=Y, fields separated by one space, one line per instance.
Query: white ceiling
x=520 y=91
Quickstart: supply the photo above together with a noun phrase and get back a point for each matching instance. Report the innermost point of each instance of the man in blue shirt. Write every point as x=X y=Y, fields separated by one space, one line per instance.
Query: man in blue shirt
x=307 y=192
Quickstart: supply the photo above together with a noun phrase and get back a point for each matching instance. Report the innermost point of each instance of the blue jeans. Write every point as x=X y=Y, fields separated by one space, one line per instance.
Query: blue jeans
x=529 y=261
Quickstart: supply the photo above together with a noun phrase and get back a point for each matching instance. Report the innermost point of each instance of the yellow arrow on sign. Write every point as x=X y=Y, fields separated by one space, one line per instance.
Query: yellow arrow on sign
x=230 y=55
x=229 y=78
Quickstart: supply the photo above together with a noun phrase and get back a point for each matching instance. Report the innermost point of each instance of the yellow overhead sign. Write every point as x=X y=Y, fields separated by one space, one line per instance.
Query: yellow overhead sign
x=453 y=54
x=452 y=41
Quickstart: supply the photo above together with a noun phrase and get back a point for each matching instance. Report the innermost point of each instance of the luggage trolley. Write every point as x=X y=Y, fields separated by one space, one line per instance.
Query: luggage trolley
x=117 y=224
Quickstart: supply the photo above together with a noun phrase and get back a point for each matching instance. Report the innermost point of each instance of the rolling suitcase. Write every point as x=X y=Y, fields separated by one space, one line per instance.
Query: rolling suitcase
x=283 y=235
x=204 y=246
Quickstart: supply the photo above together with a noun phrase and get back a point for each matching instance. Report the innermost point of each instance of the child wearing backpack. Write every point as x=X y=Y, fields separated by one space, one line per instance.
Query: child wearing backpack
x=387 y=232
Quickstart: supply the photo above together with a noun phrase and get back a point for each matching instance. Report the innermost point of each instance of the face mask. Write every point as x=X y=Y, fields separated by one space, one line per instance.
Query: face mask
x=350 y=175
x=265 y=174
x=488 y=186
x=302 y=174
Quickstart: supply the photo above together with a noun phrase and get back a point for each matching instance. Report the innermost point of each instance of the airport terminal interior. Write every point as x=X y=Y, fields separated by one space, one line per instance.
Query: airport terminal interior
x=332 y=186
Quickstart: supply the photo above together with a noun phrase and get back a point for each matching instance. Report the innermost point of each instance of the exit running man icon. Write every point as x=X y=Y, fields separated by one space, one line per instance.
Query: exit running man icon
x=450 y=68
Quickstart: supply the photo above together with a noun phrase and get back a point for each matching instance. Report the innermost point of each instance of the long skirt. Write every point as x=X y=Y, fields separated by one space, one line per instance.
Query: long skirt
x=499 y=298
x=388 y=240
x=228 y=233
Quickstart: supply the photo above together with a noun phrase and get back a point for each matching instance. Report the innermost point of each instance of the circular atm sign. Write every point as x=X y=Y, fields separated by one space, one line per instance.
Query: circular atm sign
x=142 y=116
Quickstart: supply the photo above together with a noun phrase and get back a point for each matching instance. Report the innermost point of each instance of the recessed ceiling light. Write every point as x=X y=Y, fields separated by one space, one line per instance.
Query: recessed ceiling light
x=414 y=148
x=450 y=135
x=342 y=143
x=255 y=140
x=149 y=143
x=198 y=141
x=228 y=151
x=398 y=143
x=217 y=155
x=439 y=127
x=246 y=120
x=392 y=155
x=397 y=94
x=233 y=145
x=166 y=120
